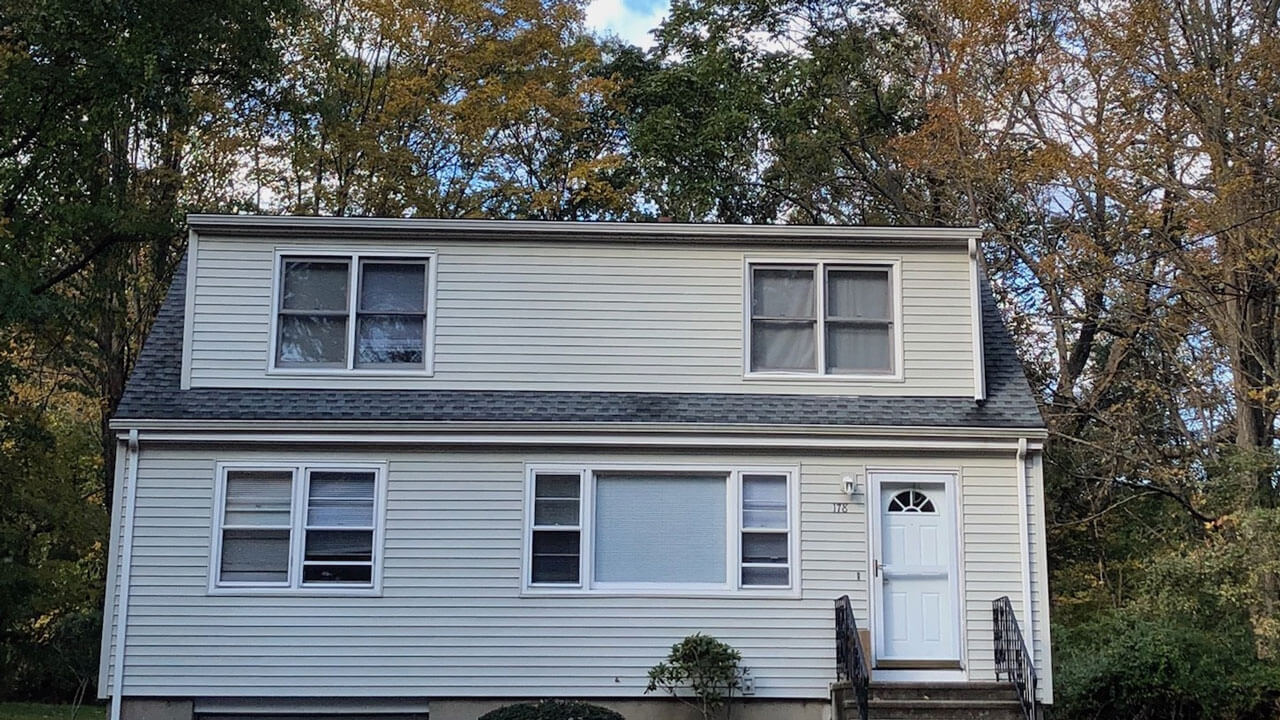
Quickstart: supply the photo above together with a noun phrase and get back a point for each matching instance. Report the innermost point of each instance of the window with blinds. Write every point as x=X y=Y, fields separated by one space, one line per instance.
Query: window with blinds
x=640 y=530
x=297 y=527
x=351 y=312
x=822 y=319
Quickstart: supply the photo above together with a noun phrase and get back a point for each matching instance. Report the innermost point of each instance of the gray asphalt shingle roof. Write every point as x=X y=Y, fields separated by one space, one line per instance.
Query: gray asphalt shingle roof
x=153 y=392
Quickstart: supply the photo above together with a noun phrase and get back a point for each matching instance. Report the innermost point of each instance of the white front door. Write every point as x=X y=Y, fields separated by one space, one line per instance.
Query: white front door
x=916 y=573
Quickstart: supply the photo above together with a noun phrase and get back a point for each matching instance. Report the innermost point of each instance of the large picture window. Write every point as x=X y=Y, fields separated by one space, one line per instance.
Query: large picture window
x=297 y=527
x=353 y=312
x=821 y=319
x=629 y=529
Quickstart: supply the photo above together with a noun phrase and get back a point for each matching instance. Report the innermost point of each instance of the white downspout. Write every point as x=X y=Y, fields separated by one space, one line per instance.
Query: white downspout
x=126 y=561
x=1024 y=540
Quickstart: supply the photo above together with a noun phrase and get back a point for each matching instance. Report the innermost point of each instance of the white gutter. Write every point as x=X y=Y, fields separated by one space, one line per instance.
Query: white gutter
x=975 y=309
x=128 y=501
x=268 y=437
x=1024 y=541
x=462 y=427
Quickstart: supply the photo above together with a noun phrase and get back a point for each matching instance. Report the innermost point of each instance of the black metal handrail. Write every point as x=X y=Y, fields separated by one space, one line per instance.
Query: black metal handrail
x=850 y=657
x=1013 y=660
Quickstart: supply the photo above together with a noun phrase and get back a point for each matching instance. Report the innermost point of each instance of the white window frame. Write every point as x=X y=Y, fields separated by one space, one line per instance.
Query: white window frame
x=297 y=533
x=820 y=267
x=356 y=258
x=732 y=585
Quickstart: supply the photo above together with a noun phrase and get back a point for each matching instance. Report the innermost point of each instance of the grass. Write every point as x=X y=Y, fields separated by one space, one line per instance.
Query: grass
x=36 y=711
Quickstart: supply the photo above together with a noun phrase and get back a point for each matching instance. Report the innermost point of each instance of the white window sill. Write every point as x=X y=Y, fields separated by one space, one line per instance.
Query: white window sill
x=344 y=372
x=805 y=377
x=294 y=592
x=725 y=593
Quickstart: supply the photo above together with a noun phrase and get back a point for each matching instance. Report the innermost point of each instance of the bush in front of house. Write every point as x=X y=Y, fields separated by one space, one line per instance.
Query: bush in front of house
x=700 y=672
x=552 y=710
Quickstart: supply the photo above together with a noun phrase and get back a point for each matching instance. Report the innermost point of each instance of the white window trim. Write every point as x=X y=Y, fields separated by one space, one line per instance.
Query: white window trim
x=820 y=265
x=355 y=257
x=297 y=534
x=731 y=587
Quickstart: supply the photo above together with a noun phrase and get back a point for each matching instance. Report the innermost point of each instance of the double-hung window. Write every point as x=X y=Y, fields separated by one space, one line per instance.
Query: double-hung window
x=822 y=319
x=638 y=530
x=353 y=312
x=297 y=527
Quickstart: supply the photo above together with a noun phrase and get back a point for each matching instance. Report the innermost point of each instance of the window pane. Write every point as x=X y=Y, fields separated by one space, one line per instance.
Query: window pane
x=858 y=294
x=312 y=339
x=255 y=556
x=782 y=346
x=390 y=339
x=355 y=574
x=310 y=285
x=782 y=293
x=394 y=287
x=764 y=501
x=555 y=512
x=858 y=348
x=764 y=547
x=341 y=499
x=656 y=528
x=258 y=498
x=330 y=545
x=556 y=499
x=557 y=486
x=766 y=576
x=555 y=556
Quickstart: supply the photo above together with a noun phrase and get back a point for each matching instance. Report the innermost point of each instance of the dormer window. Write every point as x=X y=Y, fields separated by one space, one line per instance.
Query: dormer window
x=826 y=319
x=353 y=313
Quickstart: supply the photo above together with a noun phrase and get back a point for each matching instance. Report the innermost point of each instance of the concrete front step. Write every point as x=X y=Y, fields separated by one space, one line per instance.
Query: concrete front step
x=943 y=691
x=940 y=701
x=940 y=710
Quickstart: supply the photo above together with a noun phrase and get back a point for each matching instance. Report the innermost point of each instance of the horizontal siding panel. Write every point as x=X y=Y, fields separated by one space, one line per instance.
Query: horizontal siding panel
x=451 y=621
x=523 y=316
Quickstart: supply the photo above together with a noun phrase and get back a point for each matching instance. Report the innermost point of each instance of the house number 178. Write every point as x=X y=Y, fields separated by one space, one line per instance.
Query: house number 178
x=839 y=507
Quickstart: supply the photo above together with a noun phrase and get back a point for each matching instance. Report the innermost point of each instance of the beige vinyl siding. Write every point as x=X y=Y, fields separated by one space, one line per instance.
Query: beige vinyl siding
x=451 y=621
x=992 y=555
x=586 y=316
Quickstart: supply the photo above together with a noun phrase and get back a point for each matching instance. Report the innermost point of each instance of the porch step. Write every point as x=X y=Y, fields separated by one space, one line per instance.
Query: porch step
x=940 y=701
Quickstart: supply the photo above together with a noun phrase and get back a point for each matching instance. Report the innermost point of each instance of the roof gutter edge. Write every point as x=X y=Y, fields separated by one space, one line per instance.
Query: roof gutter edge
x=394 y=427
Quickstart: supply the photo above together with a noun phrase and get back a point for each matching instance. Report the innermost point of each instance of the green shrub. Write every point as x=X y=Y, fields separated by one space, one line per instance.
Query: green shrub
x=552 y=710
x=1127 y=664
x=704 y=667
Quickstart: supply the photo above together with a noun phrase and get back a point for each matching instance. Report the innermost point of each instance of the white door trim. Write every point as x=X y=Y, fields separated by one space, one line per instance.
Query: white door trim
x=950 y=481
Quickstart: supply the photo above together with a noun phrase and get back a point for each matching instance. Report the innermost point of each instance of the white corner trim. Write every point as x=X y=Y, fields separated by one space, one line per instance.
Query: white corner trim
x=129 y=501
x=189 y=310
x=975 y=310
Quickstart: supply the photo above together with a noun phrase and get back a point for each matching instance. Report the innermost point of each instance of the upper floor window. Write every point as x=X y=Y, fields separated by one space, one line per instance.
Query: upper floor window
x=822 y=318
x=349 y=312
x=297 y=527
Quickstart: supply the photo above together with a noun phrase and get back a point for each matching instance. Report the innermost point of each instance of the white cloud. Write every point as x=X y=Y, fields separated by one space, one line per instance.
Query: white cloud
x=627 y=19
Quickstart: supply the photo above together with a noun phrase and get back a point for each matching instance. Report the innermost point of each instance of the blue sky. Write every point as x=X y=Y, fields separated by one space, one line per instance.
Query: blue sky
x=630 y=20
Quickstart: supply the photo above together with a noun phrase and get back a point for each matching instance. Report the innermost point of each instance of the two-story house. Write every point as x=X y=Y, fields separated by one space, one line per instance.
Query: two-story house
x=410 y=468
